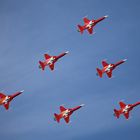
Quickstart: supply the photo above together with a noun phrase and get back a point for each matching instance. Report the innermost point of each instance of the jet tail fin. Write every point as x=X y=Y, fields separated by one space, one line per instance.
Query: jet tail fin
x=57 y=117
x=99 y=72
x=41 y=66
x=80 y=29
x=116 y=113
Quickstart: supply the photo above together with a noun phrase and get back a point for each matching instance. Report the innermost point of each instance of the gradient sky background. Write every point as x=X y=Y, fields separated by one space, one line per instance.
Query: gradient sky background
x=30 y=28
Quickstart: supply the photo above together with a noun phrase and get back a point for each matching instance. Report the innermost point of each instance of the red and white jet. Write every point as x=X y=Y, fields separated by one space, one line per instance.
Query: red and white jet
x=50 y=61
x=6 y=99
x=125 y=109
x=108 y=68
x=89 y=24
x=65 y=113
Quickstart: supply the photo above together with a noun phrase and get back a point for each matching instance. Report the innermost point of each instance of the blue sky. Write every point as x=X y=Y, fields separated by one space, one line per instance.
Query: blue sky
x=30 y=28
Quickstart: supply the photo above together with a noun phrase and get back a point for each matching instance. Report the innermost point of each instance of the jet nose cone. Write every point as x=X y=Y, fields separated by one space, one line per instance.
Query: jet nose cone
x=21 y=91
x=106 y=16
x=82 y=105
x=125 y=60
x=67 y=52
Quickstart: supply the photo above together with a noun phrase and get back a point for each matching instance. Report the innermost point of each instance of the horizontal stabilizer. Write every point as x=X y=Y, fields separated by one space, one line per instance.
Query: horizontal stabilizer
x=116 y=113
x=99 y=72
x=80 y=29
x=57 y=117
x=42 y=66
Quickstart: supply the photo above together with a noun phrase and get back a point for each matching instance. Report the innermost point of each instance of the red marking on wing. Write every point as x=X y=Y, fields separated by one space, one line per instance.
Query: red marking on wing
x=109 y=74
x=86 y=20
x=122 y=105
x=47 y=56
x=90 y=30
x=51 y=66
x=67 y=119
x=126 y=115
x=62 y=108
x=2 y=95
x=104 y=63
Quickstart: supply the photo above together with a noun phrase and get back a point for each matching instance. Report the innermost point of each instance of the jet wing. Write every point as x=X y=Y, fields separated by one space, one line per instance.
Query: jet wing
x=104 y=63
x=2 y=95
x=122 y=105
x=90 y=30
x=51 y=66
x=86 y=20
x=126 y=115
x=6 y=106
x=109 y=74
x=67 y=119
x=47 y=56
x=62 y=108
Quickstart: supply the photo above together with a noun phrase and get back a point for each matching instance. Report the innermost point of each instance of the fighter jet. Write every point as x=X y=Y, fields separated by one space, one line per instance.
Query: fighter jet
x=108 y=68
x=65 y=113
x=125 y=109
x=89 y=24
x=6 y=99
x=50 y=61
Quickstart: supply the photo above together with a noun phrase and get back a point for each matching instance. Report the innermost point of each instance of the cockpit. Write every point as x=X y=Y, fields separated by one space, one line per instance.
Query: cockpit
x=90 y=24
x=109 y=67
x=51 y=60
x=7 y=98
x=126 y=108
x=66 y=113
